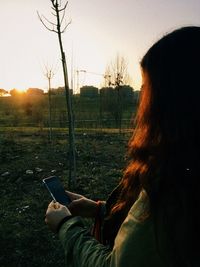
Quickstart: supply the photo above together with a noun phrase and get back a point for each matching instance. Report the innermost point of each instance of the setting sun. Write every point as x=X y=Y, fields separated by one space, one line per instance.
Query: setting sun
x=21 y=90
x=16 y=91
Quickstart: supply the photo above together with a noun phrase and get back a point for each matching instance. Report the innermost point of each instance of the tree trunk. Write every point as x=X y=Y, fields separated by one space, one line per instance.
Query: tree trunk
x=50 y=111
x=72 y=155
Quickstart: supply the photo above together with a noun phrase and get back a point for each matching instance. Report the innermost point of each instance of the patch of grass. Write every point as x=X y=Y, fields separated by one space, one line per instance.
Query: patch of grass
x=25 y=240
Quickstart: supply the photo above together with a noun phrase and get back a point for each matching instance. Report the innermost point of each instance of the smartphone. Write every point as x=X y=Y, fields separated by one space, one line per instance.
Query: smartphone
x=56 y=190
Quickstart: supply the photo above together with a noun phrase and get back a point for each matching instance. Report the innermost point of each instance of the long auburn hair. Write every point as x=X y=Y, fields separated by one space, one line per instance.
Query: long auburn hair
x=164 y=150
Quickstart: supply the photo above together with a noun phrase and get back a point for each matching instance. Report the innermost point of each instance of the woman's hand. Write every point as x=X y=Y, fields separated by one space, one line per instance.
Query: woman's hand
x=82 y=206
x=54 y=215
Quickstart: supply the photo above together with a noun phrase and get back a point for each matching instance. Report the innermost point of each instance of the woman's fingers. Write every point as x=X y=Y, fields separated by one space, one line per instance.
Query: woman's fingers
x=55 y=213
x=73 y=196
x=54 y=205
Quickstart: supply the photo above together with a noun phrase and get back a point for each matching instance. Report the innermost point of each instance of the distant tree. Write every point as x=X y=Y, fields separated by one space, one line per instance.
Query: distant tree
x=116 y=75
x=3 y=92
x=14 y=92
x=116 y=72
x=34 y=91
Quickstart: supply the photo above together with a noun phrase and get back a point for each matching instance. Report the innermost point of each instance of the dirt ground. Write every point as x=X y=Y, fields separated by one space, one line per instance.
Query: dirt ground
x=28 y=158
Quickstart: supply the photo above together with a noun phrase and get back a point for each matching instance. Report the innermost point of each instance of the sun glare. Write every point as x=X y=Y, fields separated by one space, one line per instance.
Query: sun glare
x=15 y=91
x=21 y=90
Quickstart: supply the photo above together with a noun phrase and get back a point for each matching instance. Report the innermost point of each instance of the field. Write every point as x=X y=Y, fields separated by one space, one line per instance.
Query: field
x=33 y=111
x=26 y=158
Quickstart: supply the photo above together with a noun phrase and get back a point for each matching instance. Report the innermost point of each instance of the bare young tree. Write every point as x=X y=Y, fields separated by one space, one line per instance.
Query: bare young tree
x=116 y=75
x=59 y=27
x=49 y=75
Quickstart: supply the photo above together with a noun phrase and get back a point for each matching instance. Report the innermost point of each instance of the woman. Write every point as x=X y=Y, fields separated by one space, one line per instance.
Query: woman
x=153 y=214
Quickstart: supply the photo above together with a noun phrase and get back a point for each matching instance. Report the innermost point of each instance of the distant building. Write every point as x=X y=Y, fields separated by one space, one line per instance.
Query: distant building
x=60 y=91
x=89 y=91
x=107 y=92
x=126 y=93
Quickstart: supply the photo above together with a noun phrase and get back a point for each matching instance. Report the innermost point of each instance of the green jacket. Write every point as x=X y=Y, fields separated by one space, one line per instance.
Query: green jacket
x=134 y=246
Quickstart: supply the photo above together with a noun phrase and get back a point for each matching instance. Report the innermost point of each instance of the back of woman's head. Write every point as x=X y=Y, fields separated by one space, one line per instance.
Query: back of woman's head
x=172 y=85
x=168 y=117
x=165 y=147
x=168 y=121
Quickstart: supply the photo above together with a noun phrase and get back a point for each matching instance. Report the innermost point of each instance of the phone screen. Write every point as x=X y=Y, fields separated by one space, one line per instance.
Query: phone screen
x=57 y=190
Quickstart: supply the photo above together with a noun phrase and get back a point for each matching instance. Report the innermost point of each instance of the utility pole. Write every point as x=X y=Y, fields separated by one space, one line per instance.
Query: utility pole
x=78 y=84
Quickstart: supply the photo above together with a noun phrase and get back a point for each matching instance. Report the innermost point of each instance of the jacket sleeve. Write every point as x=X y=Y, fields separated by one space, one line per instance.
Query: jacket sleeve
x=134 y=245
x=81 y=249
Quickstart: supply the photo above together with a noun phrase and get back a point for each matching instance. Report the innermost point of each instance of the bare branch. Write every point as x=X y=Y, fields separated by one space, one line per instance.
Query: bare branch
x=49 y=21
x=66 y=26
x=61 y=21
x=49 y=29
x=53 y=14
x=53 y=3
x=59 y=10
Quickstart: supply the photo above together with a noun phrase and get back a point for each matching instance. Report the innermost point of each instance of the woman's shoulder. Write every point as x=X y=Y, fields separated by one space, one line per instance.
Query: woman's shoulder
x=140 y=210
x=135 y=242
x=138 y=222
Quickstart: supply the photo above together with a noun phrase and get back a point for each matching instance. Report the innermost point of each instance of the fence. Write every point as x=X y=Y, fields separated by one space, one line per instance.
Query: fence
x=91 y=115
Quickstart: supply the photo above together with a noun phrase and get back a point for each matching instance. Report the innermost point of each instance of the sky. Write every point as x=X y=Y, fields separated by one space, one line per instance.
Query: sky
x=99 y=30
